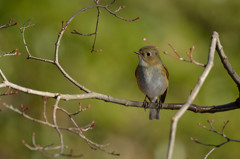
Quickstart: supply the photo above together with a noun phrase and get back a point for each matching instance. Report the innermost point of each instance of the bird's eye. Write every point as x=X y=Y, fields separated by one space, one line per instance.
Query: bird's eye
x=148 y=54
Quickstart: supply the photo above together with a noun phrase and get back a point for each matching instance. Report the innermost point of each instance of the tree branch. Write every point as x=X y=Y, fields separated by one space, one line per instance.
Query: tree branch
x=9 y=24
x=222 y=134
x=124 y=102
x=177 y=56
x=106 y=7
x=192 y=96
x=227 y=64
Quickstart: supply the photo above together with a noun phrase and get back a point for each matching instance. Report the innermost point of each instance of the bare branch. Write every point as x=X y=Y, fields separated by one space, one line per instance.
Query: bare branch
x=55 y=107
x=43 y=149
x=57 y=44
x=212 y=129
x=178 y=57
x=44 y=108
x=65 y=74
x=106 y=7
x=192 y=96
x=127 y=20
x=124 y=102
x=4 y=79
x=77 y=130
x=227 y=64
x=96 y=29
x=209 y=152
x=11 y=53
x=26 y=25
x=8 y=92
x=9 y=24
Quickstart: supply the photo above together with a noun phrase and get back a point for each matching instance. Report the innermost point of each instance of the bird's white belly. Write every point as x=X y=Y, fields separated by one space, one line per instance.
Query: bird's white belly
x=153 y=83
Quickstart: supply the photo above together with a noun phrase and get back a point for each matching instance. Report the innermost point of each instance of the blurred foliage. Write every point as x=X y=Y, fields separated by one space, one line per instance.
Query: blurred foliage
x=128 y=130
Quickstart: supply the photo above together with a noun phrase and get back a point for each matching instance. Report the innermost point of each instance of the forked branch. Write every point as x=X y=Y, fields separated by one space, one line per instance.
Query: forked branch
x=213 y=130
x=215 y=45
x=178 y=56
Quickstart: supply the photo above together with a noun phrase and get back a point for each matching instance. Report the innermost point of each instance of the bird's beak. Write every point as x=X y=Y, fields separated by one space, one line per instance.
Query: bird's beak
x=136 y=52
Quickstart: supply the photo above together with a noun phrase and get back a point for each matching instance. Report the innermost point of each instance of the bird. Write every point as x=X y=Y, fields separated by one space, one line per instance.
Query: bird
x=152 y=78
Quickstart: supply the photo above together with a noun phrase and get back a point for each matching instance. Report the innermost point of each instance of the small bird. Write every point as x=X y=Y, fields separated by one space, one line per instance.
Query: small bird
x=152 y=78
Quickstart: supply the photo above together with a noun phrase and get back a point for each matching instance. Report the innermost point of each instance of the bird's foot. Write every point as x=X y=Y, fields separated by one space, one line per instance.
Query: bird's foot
x=159 y=105
x=145 y=104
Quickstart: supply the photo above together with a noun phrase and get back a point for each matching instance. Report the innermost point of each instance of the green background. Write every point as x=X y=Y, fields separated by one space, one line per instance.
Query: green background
x=127 y=130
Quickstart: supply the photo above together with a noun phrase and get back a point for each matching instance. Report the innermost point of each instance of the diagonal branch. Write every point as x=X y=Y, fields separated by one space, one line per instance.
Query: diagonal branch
x=227 y=64
x=193 y=95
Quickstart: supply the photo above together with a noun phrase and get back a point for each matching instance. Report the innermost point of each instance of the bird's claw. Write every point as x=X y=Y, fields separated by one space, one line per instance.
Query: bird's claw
x=145 y=104
x=159 y=105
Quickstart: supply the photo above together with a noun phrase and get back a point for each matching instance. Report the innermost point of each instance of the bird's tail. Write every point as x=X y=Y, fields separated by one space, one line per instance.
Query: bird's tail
x=154 y=114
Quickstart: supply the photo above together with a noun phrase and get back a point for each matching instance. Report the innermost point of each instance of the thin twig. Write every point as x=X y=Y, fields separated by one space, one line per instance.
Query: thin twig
x=55 y=107
x=44 y=108
x=72 y=130
x=26 y=25
x=9 y=24
x=70 y=116
x=178 y=57
x=96 y=29
x=8 y=92
x=209 y=152
x=11 y=53
x=222 y=134
x=106 y=7
x=76 y=32
x=43 y=149
x=174 y=50
x=165 y=52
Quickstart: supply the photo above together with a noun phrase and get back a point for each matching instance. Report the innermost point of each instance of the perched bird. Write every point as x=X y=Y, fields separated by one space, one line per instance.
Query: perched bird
x=152 y=78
